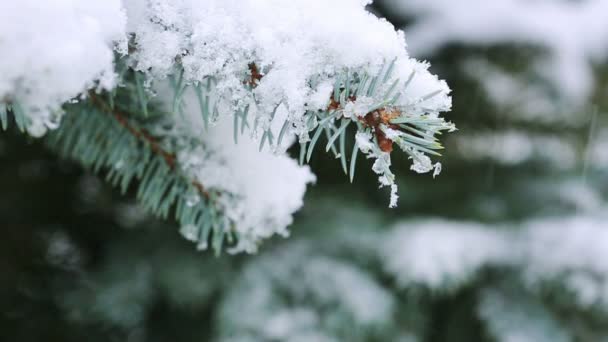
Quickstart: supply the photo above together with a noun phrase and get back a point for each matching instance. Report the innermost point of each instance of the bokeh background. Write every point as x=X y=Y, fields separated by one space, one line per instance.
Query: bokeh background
x=509 y=243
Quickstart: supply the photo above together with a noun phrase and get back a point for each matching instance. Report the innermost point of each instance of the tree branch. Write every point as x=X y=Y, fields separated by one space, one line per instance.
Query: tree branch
x=144 y=136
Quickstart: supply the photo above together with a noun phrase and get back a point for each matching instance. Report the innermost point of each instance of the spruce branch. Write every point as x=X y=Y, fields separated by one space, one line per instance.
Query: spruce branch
x=145 y=136
x=139 y=134
x=290 y=77
x=376 y=102
x=108 y=139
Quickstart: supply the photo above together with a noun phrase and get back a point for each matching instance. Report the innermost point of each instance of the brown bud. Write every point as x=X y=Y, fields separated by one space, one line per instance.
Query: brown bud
x=385 y=144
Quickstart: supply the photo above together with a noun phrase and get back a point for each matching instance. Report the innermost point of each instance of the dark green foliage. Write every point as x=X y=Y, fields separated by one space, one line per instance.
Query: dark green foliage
x=15 y=111
x=131 y=158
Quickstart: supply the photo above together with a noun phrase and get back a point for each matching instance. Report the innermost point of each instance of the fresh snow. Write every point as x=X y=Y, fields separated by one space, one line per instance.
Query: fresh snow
x=54 y=50
x=573 y=33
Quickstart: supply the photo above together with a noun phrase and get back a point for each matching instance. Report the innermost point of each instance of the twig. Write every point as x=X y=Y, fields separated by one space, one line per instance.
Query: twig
x=144 y=136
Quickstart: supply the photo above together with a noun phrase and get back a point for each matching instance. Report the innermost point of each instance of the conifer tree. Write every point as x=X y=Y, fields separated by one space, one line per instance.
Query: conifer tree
x=508 y=244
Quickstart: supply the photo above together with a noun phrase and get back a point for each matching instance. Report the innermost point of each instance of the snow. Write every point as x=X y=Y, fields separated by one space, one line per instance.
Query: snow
x=300 y=47
x=299 y=39
x=575 y=33
x=441 y=254
x=521 y=96
x=598 y=150
x=119 y=296
x=260 y=189
x=299 y=288
x=572 y=250
x=514 y=147
x=122 y=289
x=513 y=316
x=54 y=50
x=294 y=293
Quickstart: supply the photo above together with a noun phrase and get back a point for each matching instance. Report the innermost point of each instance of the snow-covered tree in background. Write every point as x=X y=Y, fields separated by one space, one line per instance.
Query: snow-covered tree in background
x=509 y=245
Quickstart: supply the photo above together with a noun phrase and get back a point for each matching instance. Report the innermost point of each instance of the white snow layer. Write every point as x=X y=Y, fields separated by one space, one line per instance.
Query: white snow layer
x=294 y=43
x=513 y=316
x=301 y=47
x=573 y=250
x=293 y=291
x=575 y=33
x=260 y=189
x=53 y=50
x=441 y=254
x=279 y=297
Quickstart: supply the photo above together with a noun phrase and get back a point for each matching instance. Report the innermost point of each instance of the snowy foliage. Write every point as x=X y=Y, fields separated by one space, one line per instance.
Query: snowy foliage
x=513 y=316
x=293 y=58
x=215 y=84
x=378 y=284
x=536 y=62
x=282 y=300
x=261 y=189
x=521 y=96
x=574 y=33
x=289 y=287
x=278 y=70
x=123 y=289
x=438 y=254
x=299 y=46
x=515 y=147
x=53 y=51
x=578 y=246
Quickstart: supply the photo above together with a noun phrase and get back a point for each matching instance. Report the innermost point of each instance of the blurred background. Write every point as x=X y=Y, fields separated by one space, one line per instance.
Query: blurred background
x=509 y=243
